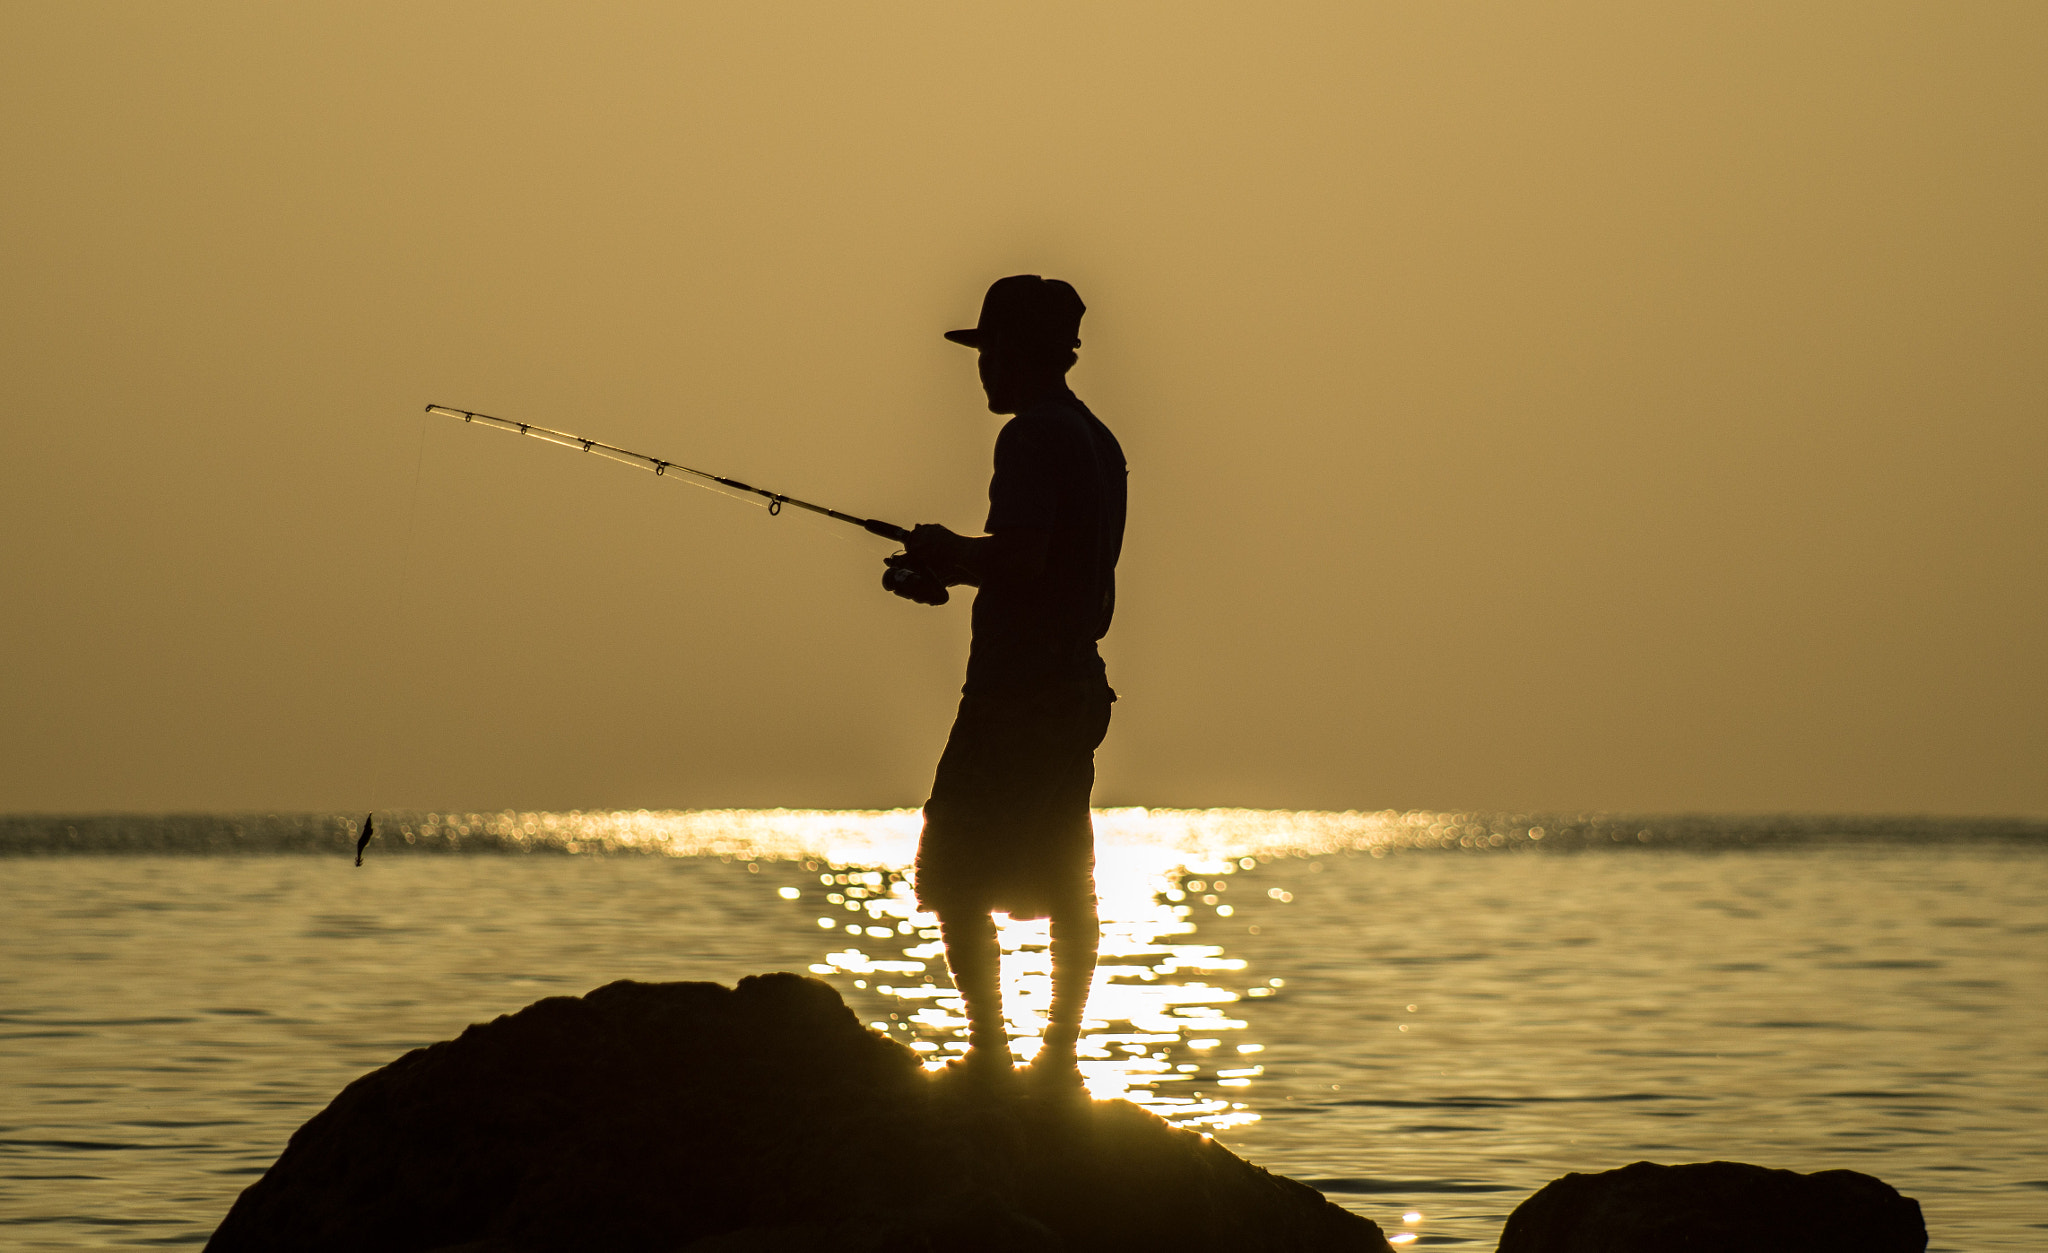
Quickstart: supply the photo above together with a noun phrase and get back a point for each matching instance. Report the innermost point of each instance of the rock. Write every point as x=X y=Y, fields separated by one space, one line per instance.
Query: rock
x=757 y=1119
x=1715 y=1207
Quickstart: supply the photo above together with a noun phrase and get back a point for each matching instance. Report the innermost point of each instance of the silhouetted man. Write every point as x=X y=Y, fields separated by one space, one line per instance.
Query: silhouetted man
x=1007 y=828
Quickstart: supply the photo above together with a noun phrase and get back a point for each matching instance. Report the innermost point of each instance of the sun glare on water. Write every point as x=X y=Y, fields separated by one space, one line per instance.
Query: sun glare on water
x=1164 y=1027
x=1161 y=1029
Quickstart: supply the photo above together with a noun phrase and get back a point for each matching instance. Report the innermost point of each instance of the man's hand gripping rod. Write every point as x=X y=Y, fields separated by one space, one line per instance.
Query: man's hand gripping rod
x=903 y=579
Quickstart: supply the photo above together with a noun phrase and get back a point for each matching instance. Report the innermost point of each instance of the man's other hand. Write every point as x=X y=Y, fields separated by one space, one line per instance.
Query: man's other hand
x=938 y=549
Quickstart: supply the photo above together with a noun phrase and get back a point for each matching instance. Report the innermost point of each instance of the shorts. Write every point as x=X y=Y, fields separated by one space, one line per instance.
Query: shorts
x=1008 y=828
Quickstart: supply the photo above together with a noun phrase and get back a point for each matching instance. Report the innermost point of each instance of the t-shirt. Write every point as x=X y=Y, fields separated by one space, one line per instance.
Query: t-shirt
x=1057 y=468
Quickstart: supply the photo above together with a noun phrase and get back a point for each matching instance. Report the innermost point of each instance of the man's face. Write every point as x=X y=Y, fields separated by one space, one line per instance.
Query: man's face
x=997 y=379
x=1013 y=378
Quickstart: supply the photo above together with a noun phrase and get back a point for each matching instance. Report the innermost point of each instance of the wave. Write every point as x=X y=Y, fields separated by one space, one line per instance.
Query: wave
x=882 y=837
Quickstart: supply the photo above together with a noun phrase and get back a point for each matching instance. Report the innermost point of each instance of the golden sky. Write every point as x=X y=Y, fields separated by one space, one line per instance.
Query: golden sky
x=1603 y=405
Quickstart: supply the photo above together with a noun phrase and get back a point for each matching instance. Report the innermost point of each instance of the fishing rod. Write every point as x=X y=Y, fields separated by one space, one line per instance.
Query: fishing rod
x=905 y=577
x=776 y=500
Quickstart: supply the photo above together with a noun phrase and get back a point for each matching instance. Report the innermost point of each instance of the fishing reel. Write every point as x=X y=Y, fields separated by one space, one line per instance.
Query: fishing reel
x=906 y=578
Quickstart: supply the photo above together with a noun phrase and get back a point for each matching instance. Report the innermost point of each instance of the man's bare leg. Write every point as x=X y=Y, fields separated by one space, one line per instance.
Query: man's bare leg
x=975 y=960
x=1076 y=934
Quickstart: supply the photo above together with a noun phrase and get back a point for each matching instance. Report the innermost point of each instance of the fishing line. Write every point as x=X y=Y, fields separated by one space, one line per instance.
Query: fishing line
x=903 y=576
x=408 y=579
x=412 y=515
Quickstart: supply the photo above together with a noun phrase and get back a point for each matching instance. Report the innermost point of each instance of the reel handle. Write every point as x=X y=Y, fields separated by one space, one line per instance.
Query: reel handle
x=913 y=582
x=905 y=577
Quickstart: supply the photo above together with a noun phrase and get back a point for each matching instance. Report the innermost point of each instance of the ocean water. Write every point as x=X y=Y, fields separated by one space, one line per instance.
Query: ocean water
x=1426 y=1015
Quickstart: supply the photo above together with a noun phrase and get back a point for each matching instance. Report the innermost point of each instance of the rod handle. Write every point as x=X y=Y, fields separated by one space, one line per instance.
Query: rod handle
x=887 y=530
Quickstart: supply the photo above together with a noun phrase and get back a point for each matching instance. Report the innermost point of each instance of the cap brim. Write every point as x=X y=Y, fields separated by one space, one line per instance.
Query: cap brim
x=971 y=337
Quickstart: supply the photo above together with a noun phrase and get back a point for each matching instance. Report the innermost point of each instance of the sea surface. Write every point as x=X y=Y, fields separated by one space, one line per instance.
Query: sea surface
x=1428 y=1016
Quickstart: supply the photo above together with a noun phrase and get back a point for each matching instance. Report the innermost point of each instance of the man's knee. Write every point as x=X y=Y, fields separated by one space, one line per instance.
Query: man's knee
x=1078 y=906
x=1076 y=920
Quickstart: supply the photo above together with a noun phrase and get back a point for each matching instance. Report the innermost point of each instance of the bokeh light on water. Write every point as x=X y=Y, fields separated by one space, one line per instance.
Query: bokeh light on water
x=1161 y=1028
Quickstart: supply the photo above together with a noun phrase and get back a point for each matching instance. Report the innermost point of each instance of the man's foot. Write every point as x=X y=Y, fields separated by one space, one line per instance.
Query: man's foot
x=984 y=1069
x=1055 y=1074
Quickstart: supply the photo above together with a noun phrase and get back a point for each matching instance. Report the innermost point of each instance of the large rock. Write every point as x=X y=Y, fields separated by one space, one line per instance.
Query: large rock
x=1715 y=1207
x=665 y=1116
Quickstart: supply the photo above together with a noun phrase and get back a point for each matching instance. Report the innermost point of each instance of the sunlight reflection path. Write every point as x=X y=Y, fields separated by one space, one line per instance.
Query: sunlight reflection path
x=1164 y=1026
x=1159 y=1031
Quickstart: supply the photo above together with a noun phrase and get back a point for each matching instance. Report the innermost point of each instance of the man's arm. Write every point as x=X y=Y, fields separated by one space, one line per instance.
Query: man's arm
x=1015 y=554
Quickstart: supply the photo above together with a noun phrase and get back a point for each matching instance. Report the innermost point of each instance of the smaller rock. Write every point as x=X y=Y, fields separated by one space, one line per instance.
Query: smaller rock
x=1715 y=1207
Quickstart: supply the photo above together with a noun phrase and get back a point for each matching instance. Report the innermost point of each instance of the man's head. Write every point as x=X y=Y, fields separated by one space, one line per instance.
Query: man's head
x=1029 y=329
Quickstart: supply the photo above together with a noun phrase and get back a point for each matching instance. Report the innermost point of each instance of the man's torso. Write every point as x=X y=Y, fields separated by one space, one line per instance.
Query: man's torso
x=1058 y=468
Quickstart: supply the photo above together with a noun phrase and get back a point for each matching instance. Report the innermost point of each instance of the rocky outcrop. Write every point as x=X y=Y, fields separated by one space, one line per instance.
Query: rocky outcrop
x=763 y=1118
x=1715 y=1207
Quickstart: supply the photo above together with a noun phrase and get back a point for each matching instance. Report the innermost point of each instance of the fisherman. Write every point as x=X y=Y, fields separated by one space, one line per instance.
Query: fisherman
x=1007 y=828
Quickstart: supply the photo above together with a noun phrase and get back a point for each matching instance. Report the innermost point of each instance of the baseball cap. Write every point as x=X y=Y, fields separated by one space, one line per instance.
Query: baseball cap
x=1028 y=310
